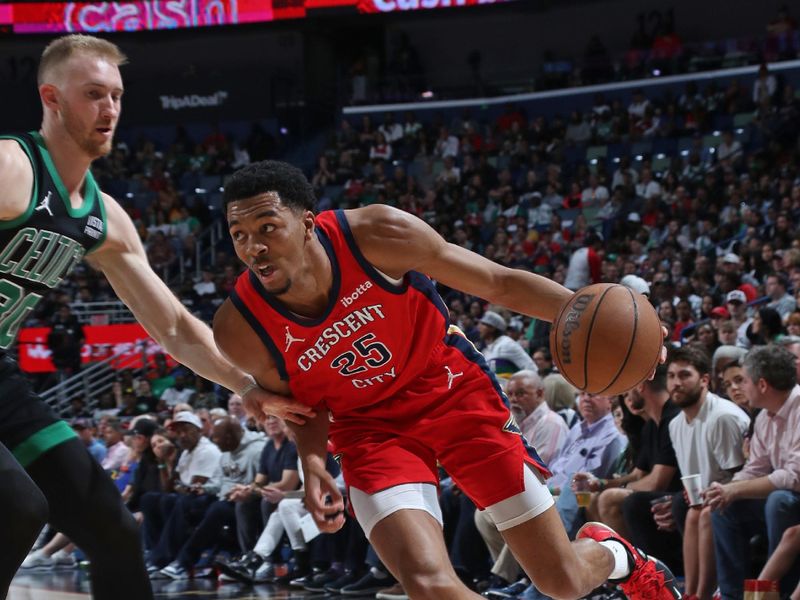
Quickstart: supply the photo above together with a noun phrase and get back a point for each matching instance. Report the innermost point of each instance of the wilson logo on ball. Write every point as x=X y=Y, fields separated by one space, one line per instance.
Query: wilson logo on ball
x=571 y=323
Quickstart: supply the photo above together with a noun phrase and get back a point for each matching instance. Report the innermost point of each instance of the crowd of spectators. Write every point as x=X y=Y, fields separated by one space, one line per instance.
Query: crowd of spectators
x=656 y=48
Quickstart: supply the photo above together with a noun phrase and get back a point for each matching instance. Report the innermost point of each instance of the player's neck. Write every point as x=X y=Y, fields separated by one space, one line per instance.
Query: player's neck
x=309 y=295
x=71 y=162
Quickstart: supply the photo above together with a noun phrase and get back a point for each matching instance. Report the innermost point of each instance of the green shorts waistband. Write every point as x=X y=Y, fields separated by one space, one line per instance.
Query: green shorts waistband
x=42 y=441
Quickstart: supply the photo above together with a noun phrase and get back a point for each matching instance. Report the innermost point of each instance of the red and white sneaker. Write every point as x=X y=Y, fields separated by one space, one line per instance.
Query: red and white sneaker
x=649 y=579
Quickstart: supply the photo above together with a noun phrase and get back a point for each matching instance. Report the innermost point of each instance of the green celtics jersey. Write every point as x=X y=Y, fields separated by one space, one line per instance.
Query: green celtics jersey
x=39 y=248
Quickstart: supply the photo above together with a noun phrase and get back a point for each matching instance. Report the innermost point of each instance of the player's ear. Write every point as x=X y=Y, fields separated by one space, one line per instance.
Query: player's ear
x=309 y=223
x=49 y=95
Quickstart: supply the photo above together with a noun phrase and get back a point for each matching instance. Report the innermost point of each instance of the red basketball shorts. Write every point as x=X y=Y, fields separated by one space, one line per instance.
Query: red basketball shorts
x=454 y=415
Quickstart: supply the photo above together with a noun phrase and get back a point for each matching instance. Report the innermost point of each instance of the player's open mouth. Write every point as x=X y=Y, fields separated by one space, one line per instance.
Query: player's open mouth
x=104 y=130
x=265 y=271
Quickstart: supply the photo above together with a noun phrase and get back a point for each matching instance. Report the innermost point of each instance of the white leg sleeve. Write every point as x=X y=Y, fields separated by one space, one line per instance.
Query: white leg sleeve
x=530 y=503
x=371 y=508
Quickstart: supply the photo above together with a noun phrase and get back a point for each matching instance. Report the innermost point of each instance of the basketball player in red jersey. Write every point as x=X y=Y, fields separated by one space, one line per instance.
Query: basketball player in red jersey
x=335 y=311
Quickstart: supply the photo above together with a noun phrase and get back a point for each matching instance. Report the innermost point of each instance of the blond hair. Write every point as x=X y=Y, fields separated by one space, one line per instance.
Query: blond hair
x=62 y=49
x=558 y=392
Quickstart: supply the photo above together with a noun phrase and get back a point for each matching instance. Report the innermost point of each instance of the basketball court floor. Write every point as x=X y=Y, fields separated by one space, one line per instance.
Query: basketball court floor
x=74 y=585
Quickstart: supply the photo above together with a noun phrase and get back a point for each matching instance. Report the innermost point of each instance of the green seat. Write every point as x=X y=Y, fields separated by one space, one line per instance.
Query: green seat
x=743 y=119
x=711 y=141
x=659 y=165
x=593 y=152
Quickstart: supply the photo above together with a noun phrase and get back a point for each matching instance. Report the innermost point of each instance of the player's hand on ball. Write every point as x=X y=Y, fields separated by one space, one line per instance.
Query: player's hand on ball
x=323 y=499
x=261 y=404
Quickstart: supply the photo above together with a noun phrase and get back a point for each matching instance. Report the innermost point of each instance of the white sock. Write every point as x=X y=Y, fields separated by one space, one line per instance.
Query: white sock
x=622 y=566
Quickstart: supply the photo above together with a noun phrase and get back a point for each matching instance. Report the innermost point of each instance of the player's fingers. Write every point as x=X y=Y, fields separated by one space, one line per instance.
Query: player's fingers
x=302 y=409
x=293 y=418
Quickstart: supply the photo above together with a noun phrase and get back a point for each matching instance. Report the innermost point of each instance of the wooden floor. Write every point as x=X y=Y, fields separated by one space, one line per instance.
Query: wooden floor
x=73 y=585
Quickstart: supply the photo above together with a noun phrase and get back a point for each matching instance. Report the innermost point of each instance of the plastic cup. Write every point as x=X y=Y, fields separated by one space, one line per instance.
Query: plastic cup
x=582 y=493
x=691 y=483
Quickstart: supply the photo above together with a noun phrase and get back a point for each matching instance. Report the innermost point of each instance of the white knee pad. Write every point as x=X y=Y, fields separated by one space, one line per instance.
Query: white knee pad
x=533 y=501
x=371 y=508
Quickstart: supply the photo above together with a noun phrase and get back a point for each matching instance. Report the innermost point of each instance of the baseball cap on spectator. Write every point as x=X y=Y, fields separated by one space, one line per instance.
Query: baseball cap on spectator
x=636 y=283
x=492 y=319
x=720 y=312
x=81 y=423
x=516 y=324
x=731 y=258
x=736 y=296
x=145 y=427
x=634 y=218
x=186 y=417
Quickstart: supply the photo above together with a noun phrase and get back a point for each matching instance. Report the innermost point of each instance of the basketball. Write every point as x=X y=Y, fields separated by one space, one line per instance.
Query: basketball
x=606 y=339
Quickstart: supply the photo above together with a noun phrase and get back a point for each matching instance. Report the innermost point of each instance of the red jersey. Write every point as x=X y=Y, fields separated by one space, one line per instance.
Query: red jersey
x=373 y=340
x=405 y=390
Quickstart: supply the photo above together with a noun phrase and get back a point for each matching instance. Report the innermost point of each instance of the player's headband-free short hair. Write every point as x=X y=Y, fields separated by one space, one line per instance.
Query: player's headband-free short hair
x=62 y=49
x=266 y=176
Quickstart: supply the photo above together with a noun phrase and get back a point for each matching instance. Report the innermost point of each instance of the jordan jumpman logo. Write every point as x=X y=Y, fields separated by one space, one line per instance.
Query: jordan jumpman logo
x=45 y=204
x=451 y=376
x=291 y=339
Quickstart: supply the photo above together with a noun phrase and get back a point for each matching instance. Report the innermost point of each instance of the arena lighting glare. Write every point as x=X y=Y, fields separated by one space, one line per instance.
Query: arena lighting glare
x=427 y=94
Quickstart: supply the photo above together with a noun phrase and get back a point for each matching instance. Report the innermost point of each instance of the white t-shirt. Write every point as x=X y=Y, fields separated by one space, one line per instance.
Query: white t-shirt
x=203 y=461
x=711 y=444
x=505 y=357
x=172 y=396
x=578 y=272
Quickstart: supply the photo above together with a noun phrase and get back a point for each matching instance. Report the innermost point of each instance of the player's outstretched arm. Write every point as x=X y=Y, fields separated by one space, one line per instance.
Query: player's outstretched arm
x=124 y=262
x=396 y=242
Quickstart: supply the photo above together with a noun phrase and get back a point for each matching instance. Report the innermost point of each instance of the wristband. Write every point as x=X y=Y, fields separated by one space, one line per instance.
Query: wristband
x=248 y=387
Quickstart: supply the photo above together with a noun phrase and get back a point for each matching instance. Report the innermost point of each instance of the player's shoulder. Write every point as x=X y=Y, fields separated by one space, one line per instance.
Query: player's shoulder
x=16 y=179
x=375 y=215
x=13 y=160
x=233 y=334
x=241 y=345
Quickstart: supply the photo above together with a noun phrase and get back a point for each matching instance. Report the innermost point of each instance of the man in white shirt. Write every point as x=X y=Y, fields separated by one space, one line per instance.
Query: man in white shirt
x=708 y=437
x=504 y=355
x=206 y=285
x=595 y=194
x=638 y=106
x=729 y=149
x=446 y=145
x=709 y=433
x=117 y=450
x=168 y=516
x=647 y=187
x=391 y=129
x=544 y=429
x=178 y=393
